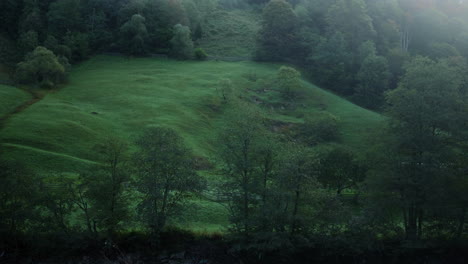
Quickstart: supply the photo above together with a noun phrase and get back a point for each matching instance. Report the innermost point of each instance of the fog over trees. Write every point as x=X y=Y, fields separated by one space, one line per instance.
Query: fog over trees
x=264 y=131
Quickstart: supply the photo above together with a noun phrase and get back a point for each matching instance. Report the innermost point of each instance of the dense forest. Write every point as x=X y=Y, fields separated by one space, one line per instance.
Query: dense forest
x=133 y=130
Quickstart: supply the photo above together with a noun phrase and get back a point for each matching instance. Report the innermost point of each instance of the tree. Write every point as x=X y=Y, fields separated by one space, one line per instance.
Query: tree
x=177 y=13
x=64 y=16
x=18 y=201
x=28 y=41
x=78 y=45
x=57 y=202
x=366 y=49
x=10 y=11
x=289 y=82
x=182 y=44
x=41 y=67
x=133 y=35
x=106 y=187
x=32 y=18
x=9 y=53
x=350 y=17
x=373 y=77
x=330 y=64
x=385 y=17
x=298 y=178
x=239 y=153
x=442 y=50
x=166 y=176
x=339 y=170
x=79 y=192
x=422 y=110
x=277 y=37
x=100 y=35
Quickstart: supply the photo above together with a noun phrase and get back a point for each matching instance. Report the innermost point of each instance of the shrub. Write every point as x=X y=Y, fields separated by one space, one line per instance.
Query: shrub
x=320 y=128
x=289 y=82
x=200 y=54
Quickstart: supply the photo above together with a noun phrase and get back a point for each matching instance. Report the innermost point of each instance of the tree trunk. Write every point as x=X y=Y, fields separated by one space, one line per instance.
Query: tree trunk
x=412 y=224
x=420 y=223
x=162 y=216
x=295 y=211
x=88 y=220
x=405 y=39
x=246 y=208
x=461 y=223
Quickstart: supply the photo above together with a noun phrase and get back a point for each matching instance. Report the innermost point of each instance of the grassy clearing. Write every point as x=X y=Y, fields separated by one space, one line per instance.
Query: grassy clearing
x=10 y=98
x=230 y=33
x=118 y=97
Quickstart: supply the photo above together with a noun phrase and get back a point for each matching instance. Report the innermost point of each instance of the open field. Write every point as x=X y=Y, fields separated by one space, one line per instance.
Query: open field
x=114 y=97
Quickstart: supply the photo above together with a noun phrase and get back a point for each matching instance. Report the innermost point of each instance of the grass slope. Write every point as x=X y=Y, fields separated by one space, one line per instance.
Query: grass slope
x=230 y=33
x=10 y=98
x=117 y=97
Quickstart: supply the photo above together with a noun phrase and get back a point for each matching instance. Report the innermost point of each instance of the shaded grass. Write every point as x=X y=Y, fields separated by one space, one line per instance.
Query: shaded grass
x=114 y=97
x=10 y=98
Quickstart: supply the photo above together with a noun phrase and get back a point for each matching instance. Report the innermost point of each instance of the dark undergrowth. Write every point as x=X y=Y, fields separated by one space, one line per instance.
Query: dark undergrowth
x=177 y=246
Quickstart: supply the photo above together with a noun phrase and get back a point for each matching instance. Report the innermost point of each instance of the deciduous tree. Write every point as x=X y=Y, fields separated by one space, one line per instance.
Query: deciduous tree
x=182 y=44
x=134 y=35
x=166 y=176
x=277 y=37
x=41 y=67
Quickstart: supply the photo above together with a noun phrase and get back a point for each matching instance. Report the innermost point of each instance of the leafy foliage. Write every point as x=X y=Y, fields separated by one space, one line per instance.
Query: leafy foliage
x=373 y=77
x=134 y=35
x=182 y=44
x=278 y=34
x=200 y=54
x=41 y=67
x=166 y=176
x=289 y=82
x=319 y=128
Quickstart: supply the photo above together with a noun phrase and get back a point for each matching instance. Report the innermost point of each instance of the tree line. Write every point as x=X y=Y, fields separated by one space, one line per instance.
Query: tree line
x=48 y=36
x=359 y=48
x=281 y=191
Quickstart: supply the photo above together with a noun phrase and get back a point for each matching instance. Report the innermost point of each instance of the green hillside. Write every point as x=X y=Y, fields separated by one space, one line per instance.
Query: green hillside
x=114 y=97
x=117 y=97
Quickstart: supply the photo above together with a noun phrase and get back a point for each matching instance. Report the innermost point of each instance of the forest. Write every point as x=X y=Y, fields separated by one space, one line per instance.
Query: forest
x=233 y=131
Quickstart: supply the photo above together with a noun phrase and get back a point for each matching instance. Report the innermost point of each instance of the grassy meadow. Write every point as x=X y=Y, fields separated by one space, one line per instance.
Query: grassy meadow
x=115 y=97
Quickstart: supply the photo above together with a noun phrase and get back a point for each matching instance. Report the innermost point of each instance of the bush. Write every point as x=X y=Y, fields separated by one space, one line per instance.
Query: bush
x=289 y=82
x=41 y=67
x=320 y=128
x=200 y=54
